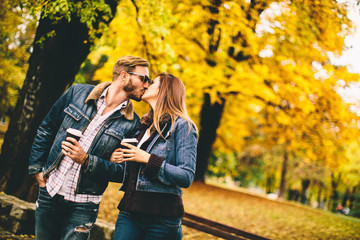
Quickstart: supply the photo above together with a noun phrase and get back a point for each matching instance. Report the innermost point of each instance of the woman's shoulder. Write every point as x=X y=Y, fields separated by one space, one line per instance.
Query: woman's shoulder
x=181 y=121
x=185 y=123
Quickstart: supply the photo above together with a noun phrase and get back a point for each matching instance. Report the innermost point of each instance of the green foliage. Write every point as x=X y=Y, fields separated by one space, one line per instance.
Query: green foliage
x=17 y=31
x=355 y=208
x=87 y=10
x=245 y=169
x=92 y=13
x=87 y=70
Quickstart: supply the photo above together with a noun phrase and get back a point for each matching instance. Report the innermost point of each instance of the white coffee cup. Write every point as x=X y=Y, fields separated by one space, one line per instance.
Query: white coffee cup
x=132 y=141
x=74 y=133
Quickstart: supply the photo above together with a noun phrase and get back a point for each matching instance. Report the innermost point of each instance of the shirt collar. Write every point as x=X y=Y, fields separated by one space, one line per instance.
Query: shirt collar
x=103 y=94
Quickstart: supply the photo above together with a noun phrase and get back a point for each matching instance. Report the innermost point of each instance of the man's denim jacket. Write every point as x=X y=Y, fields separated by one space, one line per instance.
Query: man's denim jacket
x=75 y=109
x=178 y=150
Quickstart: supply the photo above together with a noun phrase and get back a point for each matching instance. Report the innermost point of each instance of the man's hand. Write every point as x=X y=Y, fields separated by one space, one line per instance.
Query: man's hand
x=40 y=179
x=117 y=156
x=72 y=149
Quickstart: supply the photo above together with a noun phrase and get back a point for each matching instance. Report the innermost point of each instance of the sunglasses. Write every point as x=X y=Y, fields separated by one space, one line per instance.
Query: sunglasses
x=143 y=78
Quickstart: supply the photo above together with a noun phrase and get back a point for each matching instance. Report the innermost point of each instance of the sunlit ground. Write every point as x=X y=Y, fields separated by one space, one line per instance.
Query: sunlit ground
x=264 y=217
x=255 y=214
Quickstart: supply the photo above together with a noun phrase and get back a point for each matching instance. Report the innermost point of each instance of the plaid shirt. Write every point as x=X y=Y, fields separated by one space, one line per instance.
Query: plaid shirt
x=63 y=180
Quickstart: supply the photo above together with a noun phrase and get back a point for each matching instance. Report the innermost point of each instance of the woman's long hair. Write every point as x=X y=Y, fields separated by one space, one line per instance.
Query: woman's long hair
x=171 y=100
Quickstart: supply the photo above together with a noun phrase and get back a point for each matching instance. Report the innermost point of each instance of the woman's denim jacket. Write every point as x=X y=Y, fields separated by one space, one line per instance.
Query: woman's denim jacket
x=178 y=150
x=75 y=109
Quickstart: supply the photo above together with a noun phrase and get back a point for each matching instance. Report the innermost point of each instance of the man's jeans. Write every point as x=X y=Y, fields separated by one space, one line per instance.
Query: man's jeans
x=56 y=218
x=133 y=226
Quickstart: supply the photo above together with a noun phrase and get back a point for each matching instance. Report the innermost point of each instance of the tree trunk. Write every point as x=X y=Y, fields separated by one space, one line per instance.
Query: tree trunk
x=283 y=176
x=352 y=197
x=305 y=190
x=319 y=196
x=334 y=196
x=211 y=114
x=209 y=121
x=270 y=180
x=346 y=197
x=52 y=68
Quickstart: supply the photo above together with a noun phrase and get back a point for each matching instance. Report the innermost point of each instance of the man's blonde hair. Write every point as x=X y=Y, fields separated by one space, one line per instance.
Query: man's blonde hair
x=127 y=64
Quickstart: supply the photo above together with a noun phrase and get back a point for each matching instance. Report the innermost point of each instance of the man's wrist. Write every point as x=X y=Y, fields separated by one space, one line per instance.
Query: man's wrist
x=86 y=161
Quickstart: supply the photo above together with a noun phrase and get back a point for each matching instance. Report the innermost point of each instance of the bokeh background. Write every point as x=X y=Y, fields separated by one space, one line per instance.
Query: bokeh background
x=269 y=85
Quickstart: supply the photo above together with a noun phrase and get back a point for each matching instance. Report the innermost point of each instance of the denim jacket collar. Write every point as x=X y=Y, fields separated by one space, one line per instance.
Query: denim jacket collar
x=128 y=111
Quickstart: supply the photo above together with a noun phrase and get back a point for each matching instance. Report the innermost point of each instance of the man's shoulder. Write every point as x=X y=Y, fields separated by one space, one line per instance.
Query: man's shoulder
x=82 y=87
x=81 y=90
x=79 y=93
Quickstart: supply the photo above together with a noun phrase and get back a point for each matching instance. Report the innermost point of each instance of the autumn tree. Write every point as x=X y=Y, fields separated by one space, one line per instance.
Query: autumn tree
x=247 y=62
x=64 y=35
x=16 y=33
x=307 y=87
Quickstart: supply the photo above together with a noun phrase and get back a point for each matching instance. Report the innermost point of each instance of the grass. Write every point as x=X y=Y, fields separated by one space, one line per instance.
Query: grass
x=269 y=218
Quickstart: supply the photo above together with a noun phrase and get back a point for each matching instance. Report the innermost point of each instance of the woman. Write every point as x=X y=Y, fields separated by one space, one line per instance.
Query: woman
x=159 y=167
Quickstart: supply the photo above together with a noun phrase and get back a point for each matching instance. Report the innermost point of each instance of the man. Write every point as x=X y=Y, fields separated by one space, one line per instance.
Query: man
x=73 y=175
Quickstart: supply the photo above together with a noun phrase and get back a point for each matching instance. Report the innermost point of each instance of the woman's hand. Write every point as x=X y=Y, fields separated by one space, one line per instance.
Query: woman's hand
x=132 y=154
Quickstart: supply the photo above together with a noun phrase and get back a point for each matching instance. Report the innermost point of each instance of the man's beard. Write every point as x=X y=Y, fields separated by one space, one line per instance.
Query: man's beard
x=130 y=90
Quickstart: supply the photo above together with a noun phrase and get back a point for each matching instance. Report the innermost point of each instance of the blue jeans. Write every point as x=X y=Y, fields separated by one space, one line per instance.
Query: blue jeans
x=56 y=218
x=133 y=226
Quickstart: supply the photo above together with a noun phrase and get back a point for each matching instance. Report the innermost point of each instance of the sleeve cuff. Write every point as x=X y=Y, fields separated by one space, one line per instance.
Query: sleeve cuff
x=152 y=168
x=87 y=166
x=34 y=169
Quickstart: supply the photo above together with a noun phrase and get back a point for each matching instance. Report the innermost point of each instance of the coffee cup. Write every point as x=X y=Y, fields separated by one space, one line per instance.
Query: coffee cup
x=132 y=141
x=74 y=133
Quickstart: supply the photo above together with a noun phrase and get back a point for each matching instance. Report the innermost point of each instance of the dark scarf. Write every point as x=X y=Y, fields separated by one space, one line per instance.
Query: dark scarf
x=148 y=118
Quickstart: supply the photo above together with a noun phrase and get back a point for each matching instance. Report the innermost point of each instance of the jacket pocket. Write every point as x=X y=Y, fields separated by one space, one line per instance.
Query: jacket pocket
x=74 y=112
x=116 y=134
x=74 y=118
x=108 y=142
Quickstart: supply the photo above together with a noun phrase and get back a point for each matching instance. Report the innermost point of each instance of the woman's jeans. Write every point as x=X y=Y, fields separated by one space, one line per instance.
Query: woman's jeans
x=56 y=218
x=133 y=226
